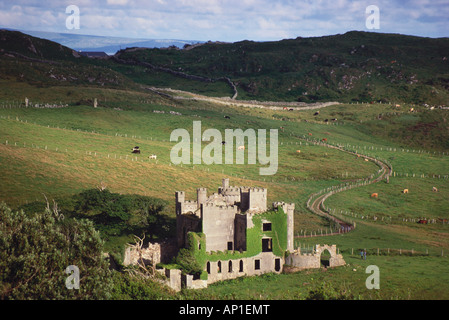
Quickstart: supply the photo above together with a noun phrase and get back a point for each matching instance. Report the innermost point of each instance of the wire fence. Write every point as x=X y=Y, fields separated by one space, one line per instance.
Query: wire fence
x=307 y=248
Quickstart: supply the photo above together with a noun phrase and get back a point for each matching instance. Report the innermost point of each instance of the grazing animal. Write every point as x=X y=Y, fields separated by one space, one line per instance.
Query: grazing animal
x=298 y=151
x=153 y=156
x=334 y=119
x=327 y=120
x=434 y=189
x=285 y=108
x=374 y=195
x=422 y=221
x=136 y=150
x=291 y=109
x=324 y=139
x=366 y=160
x=405 y=191
x=227 y=117
x=310 y=134
x=316 y=113
x=241 y=148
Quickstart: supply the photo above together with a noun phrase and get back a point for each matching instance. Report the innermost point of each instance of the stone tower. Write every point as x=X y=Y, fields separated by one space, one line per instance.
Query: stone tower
x=289 y=209
x=201 y=196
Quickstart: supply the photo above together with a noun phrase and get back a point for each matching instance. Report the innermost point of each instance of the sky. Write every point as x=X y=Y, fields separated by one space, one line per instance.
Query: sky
x=227 y=20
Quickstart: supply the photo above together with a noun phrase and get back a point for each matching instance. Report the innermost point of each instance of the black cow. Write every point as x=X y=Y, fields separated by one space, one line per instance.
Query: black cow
x=136 y=150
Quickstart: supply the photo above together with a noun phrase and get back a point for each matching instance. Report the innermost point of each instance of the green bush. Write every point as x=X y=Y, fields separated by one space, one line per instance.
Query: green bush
x=35 y=251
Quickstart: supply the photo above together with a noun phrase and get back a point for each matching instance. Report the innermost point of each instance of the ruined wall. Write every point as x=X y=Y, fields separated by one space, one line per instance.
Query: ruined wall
x=303 y=261
x=186 y=223
x=308 y=261
x=257 y=200
x=240 y=226
x=289 y=209
x=230 y=269
x=152 y=253
x=218 y=226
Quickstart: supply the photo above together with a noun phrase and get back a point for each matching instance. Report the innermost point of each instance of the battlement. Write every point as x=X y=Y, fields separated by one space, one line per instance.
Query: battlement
x=231 y=189
x=283 y=205
x=255 y=189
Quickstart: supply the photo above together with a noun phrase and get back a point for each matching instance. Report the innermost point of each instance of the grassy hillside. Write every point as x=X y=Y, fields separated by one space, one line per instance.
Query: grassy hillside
x=65 y=146
x=356 y=66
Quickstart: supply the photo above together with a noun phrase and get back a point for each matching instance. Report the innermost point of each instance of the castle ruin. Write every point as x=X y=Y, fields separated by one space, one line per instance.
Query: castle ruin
x=233 y=233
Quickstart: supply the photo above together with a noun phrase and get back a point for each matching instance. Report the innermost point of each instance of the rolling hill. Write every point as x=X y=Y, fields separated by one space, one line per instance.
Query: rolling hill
x=355 y=66
x=60 y=146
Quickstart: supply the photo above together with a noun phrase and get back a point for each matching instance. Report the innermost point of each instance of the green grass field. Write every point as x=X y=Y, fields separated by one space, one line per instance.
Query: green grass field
x=61 y=152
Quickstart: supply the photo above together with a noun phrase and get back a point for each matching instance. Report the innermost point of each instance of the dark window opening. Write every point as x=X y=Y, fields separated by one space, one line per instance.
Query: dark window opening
x=277 y=265
x=267 y=245
x=266 y=226
x=230 y=246
x=241 y=266
x=219 y=267
x=256 y=264
x=230 y=266
x=208 y=267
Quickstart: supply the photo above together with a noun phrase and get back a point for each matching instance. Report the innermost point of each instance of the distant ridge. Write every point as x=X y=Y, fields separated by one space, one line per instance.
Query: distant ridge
x=109 y=45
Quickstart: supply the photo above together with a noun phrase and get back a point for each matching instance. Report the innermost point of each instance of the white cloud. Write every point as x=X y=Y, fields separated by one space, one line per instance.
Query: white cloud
x=117 y=2
x=227 y=20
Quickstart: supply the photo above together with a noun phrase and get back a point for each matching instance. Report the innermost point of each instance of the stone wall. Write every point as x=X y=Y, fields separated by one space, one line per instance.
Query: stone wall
x=218 y=226
x=264 y=262
x=313 y=260
x=153 y=253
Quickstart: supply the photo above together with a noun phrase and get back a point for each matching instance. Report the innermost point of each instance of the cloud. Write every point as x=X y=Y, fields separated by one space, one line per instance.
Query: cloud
x=117 y=2
x=227 y=20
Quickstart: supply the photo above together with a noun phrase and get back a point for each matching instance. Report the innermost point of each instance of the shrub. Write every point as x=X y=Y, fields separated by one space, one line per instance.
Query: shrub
x=35 y=251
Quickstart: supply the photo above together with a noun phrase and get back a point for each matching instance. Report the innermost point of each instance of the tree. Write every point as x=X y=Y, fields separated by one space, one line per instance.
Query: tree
x=36 y=249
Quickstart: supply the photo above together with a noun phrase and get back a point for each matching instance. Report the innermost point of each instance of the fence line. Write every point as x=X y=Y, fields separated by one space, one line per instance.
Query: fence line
x=376 y=251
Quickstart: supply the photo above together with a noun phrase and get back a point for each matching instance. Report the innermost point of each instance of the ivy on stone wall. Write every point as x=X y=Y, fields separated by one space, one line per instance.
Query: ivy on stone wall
x=196 y=250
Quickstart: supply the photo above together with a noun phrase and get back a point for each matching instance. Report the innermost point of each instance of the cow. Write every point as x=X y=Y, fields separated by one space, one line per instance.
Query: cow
x=298 y=151
x=405 y=191
x=227 y=117
x=310 y=134
x=422 y=221
x=316 y=113
x=136 y=150
x=374 y=195
x=366 y=160
x=434 y=189
x=241 y=148
x=324 y=139
x=153 y=156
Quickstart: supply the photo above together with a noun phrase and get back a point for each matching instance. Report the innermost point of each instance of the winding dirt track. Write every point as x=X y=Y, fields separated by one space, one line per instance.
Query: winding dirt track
x=318 y=203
